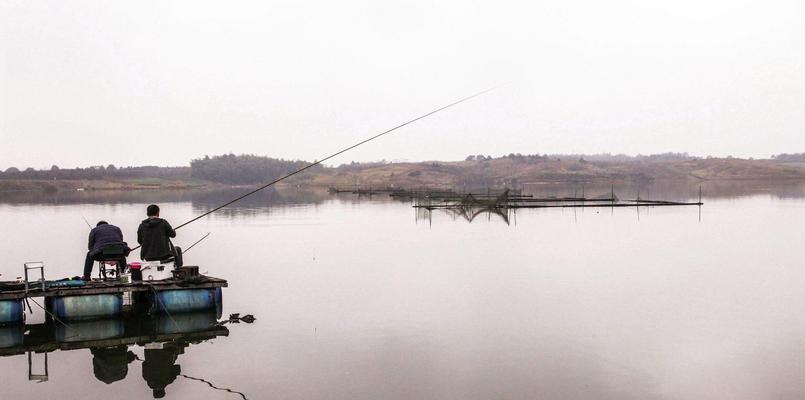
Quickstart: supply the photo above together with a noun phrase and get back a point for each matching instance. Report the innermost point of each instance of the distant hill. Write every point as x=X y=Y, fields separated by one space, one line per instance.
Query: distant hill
x=510 y=170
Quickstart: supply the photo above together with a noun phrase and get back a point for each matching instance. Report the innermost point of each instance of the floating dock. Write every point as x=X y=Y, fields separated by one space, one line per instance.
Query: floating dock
x=106 y=287
x=72 y=300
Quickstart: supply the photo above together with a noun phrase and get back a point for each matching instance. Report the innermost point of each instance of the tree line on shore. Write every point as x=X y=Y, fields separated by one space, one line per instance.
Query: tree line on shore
x=247 y=169
x=96 y=172
x=243 y=169
x=227 y=169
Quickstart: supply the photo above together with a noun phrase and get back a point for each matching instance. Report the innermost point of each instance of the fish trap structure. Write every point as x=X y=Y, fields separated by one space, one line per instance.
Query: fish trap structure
x=421 y=193
x=473 y=203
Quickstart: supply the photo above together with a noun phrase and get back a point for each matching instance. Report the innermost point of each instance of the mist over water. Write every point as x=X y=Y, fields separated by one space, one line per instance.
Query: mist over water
x=360 y=298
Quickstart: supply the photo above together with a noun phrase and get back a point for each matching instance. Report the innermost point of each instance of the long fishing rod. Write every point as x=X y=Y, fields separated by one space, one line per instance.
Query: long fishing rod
x=313 y=164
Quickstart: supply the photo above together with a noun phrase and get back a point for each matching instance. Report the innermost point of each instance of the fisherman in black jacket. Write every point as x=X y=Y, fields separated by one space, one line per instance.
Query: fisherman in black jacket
x=102 y=235
x=154 y=235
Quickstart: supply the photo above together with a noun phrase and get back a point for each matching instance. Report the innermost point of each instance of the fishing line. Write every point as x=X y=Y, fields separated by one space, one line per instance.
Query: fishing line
x=197 y=242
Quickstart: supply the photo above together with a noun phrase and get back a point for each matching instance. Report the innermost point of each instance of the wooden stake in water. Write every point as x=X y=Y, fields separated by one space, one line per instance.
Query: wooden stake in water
x=612 y=197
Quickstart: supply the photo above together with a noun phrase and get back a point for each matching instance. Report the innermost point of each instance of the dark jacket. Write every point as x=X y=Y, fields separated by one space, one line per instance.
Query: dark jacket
x=103 y=235
x=154 y=235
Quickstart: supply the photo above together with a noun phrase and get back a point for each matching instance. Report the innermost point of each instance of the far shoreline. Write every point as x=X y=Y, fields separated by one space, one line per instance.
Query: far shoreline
x=512 y=171
x=95 y=186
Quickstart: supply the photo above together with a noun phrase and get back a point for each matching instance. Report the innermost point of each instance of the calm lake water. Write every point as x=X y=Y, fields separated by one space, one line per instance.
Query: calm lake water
x=366 y=299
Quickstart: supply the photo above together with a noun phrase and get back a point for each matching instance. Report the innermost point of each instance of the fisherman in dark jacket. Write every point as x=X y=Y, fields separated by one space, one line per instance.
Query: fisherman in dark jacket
x=104 y=234
x=154 y=235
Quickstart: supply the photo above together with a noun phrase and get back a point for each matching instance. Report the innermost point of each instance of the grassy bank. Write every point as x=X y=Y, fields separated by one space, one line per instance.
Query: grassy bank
x=510 y=172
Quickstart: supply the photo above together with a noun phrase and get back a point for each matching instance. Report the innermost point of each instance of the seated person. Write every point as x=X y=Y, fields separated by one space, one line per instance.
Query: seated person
x=154 y=235
x=103 y=234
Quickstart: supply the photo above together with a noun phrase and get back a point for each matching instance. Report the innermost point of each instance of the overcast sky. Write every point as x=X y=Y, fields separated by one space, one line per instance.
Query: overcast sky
x=159 y=83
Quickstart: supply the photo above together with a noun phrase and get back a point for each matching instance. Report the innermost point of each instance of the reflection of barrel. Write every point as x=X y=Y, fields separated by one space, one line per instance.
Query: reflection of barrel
x=186 y=322
x=10 y=311
x=11 y=335
x=87 y=306
x=97 y=329
x=187 y=300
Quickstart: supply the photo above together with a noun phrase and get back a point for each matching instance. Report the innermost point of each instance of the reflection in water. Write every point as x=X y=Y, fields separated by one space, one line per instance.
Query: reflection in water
x=265 y=201
x=160 y=368
x=110 y=342
x=97 y=197
x=467 y=213
x=366 y=305
x=258 y=203
x=11 y=336
x=675 y=190
x=111 y=364
x=202 y=200
x=98 y=329
x=678 y=191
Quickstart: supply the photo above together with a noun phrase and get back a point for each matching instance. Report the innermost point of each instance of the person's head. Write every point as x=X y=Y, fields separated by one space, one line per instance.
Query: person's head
x=152 y=210
x=101 y=223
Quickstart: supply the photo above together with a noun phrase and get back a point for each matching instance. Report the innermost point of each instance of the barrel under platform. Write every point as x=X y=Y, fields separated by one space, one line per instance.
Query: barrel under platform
x=102 y=299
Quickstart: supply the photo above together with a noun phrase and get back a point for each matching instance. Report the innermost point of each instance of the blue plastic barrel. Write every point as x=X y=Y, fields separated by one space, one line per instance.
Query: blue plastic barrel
x=11 y=312
x=11 y=335
x=187 y=300
x=87 y=306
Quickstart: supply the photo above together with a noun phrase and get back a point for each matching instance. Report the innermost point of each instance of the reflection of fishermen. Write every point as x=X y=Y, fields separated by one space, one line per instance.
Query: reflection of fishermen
x=111 y=364
x=154 y=235
x=159 y=369
x=104 y=235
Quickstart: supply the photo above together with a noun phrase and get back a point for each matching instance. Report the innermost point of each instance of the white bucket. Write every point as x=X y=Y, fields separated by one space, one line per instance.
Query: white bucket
x=155 y=270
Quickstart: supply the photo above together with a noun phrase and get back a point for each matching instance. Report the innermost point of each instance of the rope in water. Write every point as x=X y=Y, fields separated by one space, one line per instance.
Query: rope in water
x=55 y=318
x=215 y=387
x=156 y=296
